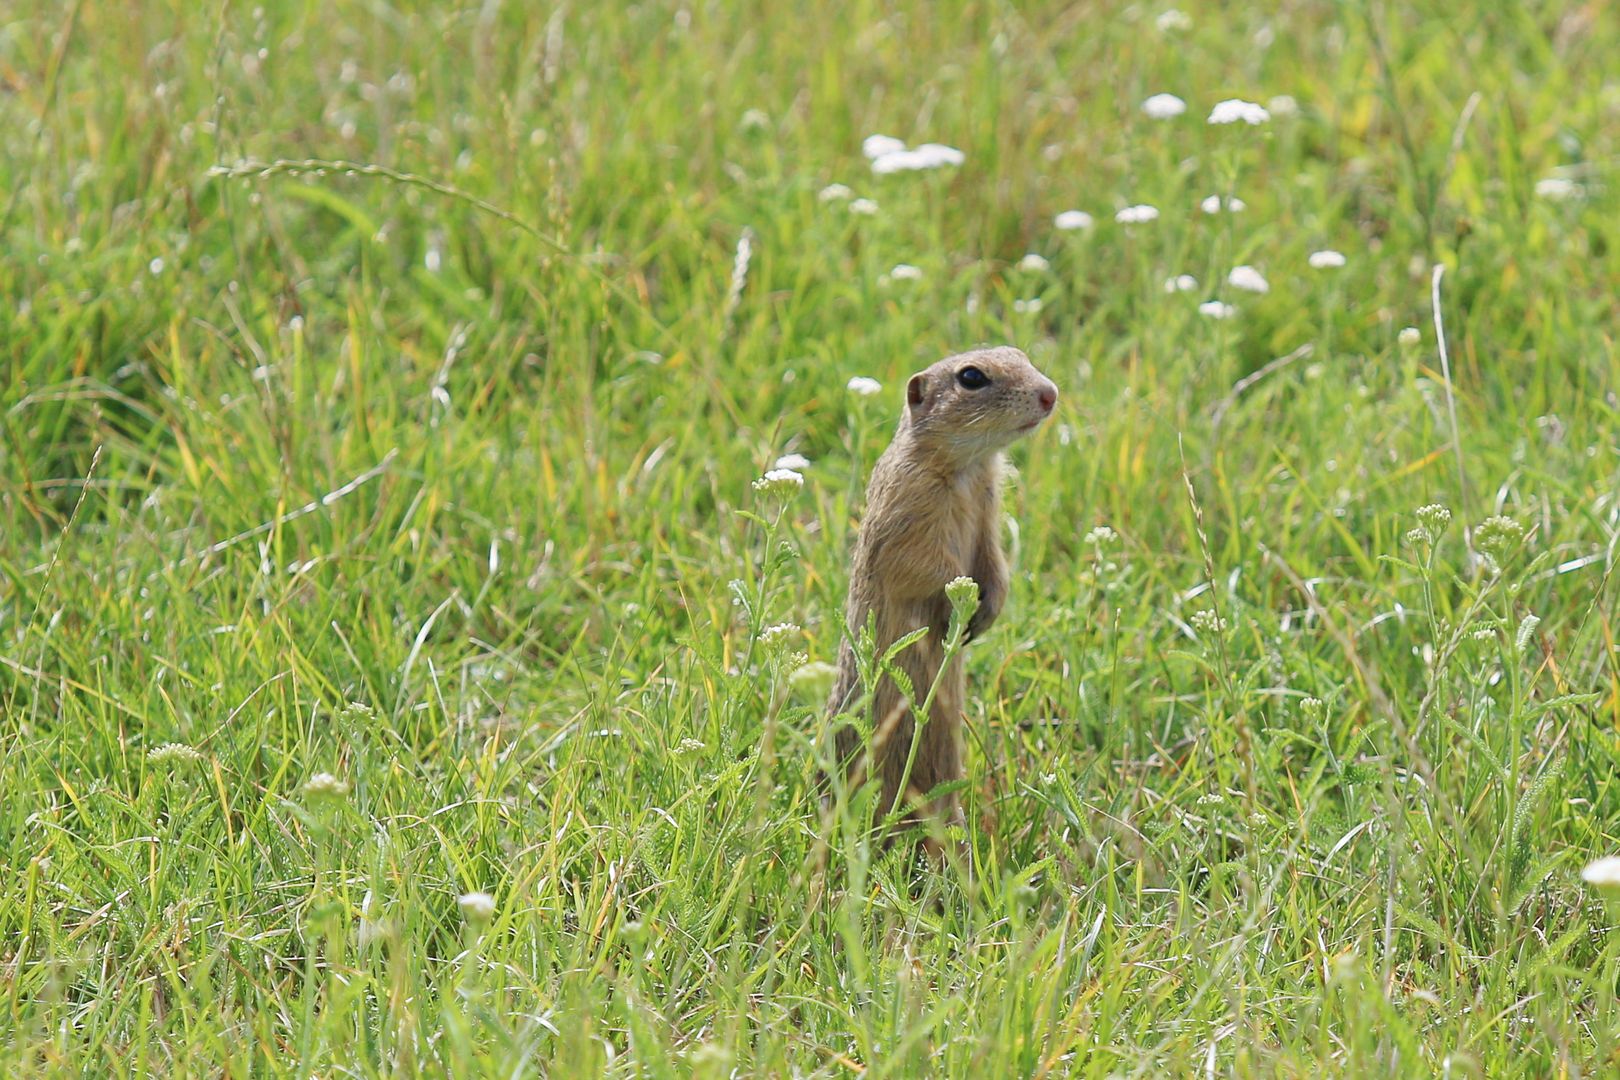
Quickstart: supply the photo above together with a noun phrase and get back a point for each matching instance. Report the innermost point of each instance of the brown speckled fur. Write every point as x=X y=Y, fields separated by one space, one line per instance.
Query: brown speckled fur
x=933 y=513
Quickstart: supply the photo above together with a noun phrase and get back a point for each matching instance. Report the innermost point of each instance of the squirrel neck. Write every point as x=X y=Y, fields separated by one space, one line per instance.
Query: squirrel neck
x=943 y=461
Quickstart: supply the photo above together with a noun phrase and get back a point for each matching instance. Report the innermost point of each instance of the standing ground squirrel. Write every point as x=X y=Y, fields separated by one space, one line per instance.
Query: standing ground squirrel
x=933 y=513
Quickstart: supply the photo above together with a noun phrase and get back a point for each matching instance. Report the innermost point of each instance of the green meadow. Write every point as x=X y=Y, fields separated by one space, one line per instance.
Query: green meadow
x=384 y=688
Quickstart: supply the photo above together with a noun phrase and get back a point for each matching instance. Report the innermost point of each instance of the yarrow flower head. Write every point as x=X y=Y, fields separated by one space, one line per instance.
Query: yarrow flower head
x=1164 y=106
x=171 y=754
x=1032 y=306
x=1326 y=260
x=1215 y=309
x=1099 y=535
x=862 y=386
x=1212 y=204
x=1283 y=105
x=1180 y=283
x=1070 y=220
x=1207 y=622
x=778 y=635
x=792 y=461
x=963 y=593
x=834 y=193
x=782 y=482
x=1434 y=518
x=1312 y=708
x=1409 y=336
x=688 y=746
x=1172 y=19
x=905 y=272
x=1497 y=538
x=1236 y=110
x=814 y=679
x=1558 y=188
x=863 y=207
x=324 y=787
x=926 y=156
x=1603 y=875
x=478 y=908
x=1248 y=279
x=876 y=146
x=1035 y=262
x=1136 y=215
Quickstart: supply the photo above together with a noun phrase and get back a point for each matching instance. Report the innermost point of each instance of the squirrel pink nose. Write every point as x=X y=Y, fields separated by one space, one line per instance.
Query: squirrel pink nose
x=1047 y=397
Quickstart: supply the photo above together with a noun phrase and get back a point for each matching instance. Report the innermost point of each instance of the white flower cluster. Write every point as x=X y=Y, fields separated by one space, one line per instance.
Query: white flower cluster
x=889 y=155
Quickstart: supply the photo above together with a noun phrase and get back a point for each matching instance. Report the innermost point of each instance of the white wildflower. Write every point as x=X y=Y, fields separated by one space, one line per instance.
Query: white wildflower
x=1100 y=535
x=323 y=785
x=1283 y=105
x=926 y=156
x=1326 y=260
x=863 y=386
x=1032 y=306
x=1556 y=188
x=863 y=207
x=1248 y=279
x=963 y=594
x=1235 y=110
x=688 y=746
x=1070 y=220
x=172 y=753
x=1136 y=215
x=779 y=482
x=1034 y=262
x=779 y=634
x=1216 y=310
x=1207 y=622
x=792 y=461
x=905 y=272
x=935 y=154
x=1180 y=283
x=155 y=267
x=477 y=908
x=834 y=193
x=1172 y=20
x=1410 y=335
x=754 y=119
x=815 y=678
x=875 y=146
x=1164 y=106
x=1603 y=875
x=1212 y=204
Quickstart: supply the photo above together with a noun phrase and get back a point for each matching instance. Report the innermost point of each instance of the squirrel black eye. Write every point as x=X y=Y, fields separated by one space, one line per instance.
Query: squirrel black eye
x=971 y=378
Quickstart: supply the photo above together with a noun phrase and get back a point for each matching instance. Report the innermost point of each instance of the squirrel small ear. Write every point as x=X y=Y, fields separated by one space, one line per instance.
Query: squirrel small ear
x=916 y=391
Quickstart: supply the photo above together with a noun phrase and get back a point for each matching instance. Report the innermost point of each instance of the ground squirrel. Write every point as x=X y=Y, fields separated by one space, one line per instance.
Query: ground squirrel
x=933 y=513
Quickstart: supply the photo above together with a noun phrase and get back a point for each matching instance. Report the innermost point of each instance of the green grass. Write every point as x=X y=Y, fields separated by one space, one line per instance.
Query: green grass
x=436 y=477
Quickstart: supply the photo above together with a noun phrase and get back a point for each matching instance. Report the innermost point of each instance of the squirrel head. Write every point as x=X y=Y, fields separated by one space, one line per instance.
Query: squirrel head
x=970 y=405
